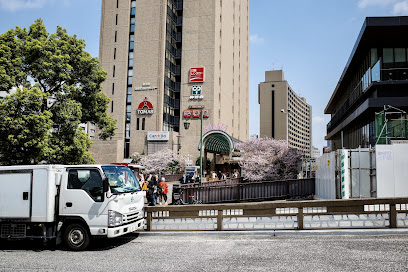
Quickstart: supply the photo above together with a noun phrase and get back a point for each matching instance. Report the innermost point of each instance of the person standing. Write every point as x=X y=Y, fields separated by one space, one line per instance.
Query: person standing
x=152 y=186
x=164 y=190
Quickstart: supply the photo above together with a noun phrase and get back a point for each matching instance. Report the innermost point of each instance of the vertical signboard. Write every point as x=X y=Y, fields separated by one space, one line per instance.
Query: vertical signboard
x=345 y=174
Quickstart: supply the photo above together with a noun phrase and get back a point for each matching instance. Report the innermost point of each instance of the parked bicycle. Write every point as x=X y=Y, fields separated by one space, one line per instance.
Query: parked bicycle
x=178 y=198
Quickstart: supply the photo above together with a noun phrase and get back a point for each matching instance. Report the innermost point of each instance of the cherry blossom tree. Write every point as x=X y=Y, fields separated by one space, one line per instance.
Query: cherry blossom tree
x=269 y=159
x=163 y=161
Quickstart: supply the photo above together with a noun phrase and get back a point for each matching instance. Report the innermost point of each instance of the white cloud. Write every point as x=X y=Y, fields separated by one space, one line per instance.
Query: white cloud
x=255 y=39
x=14 y=5
x=401 y=8
x=317 y=119
x=382 y=3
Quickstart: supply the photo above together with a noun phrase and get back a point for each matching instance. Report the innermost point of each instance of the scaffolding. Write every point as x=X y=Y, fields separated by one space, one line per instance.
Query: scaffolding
x=390 y=124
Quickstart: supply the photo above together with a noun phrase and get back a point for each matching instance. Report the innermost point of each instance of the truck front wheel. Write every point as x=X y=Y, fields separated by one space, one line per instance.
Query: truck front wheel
x=76 y=237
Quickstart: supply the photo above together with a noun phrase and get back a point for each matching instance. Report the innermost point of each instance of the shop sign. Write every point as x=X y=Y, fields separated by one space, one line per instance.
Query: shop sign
x=145 y=88
x=145 y=107
x=195 y=113
x=197 y=74
x=158 y=136
x=196 y=92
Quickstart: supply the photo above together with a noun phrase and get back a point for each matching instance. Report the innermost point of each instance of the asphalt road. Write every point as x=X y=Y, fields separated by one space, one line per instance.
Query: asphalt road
x=216 y=251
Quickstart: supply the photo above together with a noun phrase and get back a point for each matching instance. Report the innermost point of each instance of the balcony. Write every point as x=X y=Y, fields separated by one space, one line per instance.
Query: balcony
x=387 y=75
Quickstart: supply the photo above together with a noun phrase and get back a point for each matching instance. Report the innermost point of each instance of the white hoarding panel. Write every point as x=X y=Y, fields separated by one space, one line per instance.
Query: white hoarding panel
x=325 y=176
x=401 y=169
x=385 y=171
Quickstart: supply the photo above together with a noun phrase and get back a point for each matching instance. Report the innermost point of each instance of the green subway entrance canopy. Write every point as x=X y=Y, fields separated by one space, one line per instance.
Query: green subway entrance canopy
x=218 y=142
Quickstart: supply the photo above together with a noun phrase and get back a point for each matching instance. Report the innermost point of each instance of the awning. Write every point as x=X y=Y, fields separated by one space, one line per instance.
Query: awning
x=219 y=142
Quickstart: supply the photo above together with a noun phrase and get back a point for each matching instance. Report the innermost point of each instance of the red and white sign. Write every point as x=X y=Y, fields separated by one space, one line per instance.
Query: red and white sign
x=187 y=113
x=197 y=74
x=145 y=107
x=195 y=113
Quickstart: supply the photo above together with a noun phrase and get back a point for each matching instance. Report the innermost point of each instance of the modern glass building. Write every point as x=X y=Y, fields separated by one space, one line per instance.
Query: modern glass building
x=376 y=75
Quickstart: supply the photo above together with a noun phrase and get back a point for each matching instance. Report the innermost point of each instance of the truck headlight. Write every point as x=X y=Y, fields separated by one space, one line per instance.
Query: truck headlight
x=115 y=218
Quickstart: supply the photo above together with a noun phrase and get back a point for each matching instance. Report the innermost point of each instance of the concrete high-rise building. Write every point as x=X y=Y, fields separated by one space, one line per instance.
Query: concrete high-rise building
x=168 y=60
x=283 y=114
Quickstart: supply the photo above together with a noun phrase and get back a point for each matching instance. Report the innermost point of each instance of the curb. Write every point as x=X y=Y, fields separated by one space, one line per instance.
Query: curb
x=359 y=232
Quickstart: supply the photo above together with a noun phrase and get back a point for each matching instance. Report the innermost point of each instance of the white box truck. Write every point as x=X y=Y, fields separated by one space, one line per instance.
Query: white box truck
x=69 y=203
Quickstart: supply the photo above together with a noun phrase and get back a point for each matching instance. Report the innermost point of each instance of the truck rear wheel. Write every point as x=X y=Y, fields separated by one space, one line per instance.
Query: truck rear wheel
x=76 y=237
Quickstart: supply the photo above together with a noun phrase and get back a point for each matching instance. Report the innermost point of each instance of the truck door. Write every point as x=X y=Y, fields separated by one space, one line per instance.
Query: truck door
x=82 y=195
x=15 y=195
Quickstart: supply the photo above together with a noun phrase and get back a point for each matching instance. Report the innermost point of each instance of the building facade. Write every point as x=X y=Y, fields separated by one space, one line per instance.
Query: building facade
x=168 y=61
x=283 y=114
x=376 y=75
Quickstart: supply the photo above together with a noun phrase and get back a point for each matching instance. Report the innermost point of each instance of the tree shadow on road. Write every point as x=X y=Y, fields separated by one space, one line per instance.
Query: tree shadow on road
x=98 y=244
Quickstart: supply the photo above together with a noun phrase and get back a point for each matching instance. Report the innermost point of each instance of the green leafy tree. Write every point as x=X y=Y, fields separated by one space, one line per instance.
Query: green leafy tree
x=69 y=79
x=24 y=127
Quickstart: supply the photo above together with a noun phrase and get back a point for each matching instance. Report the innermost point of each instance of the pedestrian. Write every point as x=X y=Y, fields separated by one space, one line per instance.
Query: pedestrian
x=213 y=176
x=164 y=190
x=152 y=191
x=219 y=175
x=141 y=180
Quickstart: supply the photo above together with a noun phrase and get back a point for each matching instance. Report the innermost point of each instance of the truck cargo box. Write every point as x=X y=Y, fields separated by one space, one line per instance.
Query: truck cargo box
x=28 y=192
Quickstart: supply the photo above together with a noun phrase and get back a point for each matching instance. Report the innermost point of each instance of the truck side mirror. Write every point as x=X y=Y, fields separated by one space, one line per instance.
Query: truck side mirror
x=105 y=184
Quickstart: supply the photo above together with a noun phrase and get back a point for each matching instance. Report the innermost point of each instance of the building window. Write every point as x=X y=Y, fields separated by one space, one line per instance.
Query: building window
x=130 y=59
x=400 y=55
x=137 y=124
x=116 y=20
x=143 y=123
x=113 y=74
x=111 y=106
x=127 y=131
x=117 y=3
x=113 y=88
x=388 y=55
x=114 y=53
x=116 y=36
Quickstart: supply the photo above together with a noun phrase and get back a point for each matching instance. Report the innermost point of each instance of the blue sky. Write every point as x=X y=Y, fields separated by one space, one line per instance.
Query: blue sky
x=311 y=40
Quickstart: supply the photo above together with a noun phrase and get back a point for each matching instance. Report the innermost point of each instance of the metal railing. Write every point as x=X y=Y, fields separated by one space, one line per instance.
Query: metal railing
x=235 y=191
x=314 y=214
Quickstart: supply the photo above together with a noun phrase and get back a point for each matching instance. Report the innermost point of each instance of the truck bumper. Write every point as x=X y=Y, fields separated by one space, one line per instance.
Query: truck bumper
x=121 y=230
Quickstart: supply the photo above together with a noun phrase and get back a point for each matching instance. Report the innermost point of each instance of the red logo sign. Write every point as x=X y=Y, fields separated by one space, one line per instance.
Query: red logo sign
x=187 y=113
x=197 y=74
x=145 y=107
x=195 y=113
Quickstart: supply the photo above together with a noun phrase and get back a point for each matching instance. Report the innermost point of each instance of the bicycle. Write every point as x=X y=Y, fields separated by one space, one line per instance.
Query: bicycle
x=178 y=199
x=192 y=200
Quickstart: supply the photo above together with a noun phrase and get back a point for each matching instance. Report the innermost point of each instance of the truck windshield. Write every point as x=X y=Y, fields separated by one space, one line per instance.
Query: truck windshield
x=121 y=179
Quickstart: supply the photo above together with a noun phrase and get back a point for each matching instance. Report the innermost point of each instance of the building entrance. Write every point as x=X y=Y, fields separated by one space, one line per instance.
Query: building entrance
x=224 y=161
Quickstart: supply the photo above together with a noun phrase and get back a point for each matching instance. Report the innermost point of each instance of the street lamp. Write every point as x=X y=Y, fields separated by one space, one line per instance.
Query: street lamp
x=287 y=125
x=186 y=126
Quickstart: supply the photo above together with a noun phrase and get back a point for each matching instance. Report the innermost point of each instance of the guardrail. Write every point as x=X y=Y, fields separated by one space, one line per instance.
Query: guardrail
x=278 y=215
